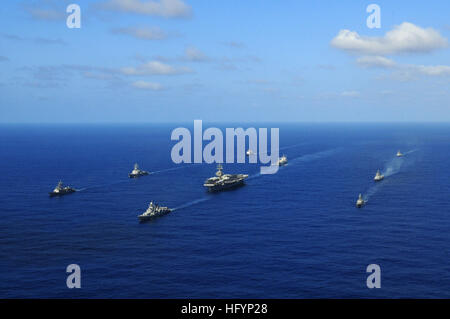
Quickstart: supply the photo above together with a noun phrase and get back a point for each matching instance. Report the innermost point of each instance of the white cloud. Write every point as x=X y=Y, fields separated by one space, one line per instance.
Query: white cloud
x=155 y=68
x=142 y=33
x=143 y=85
x=405 y=38
x=375 y=61
x=195 y=55
x=47 y=14
x=163 y=8
x=404 y=72
x=433 y=70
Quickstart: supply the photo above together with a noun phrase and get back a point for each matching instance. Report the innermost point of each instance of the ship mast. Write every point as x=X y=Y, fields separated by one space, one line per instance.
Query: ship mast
x=219 y=172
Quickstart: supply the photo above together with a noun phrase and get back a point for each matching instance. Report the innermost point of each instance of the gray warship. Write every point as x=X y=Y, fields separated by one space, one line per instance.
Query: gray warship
x=360 y=202
x=282 y=161
x=136 y=172
x=378 y=176
x=223 y=181
x=153 y=211
x=60 y=190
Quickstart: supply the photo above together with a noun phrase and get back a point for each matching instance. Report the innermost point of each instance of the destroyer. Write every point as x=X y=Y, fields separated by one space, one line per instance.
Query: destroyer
x=399 y=154
x=282 y=161
x=60 y=190
x=154 y=210
x=136 y=172
x=360 y=202
x=378 y=176
x=224 y=181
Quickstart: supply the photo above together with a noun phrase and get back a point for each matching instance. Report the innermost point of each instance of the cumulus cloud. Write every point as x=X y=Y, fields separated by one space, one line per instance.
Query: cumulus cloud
x=375 y=61
x=162 y=8
x=405 y=38
x=414 y=72
x=143 y=85
x=142 y=33
x=433 y=70
x=195 y=55
x=155 y=68
x=404 y=71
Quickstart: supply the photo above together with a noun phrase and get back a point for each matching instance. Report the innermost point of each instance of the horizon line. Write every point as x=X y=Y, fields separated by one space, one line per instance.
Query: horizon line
x=225 y=122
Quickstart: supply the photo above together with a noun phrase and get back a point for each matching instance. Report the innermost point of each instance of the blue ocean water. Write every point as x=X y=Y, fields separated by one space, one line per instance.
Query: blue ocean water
x=295 y=234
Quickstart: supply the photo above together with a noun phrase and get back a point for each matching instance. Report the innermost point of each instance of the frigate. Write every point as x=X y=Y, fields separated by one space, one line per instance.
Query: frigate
x=60 y=190
x=282 y=161
x=360 y=202
x=378 y=176
x=136 y=172
x=153 y=211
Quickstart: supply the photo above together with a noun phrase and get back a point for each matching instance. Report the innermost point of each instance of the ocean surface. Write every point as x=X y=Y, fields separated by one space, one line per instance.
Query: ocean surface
x=295 y=234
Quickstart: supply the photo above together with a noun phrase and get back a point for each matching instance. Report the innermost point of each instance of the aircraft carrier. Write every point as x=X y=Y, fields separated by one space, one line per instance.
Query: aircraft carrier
x=223 y=181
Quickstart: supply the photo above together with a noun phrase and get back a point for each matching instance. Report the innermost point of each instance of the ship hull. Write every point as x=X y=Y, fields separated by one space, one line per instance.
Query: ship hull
x=137 y=175
x=143 y=218
x=360 y=203
x=223 y=187
x=53 y=194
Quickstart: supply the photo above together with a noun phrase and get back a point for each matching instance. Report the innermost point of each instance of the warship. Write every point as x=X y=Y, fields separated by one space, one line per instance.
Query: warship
x=378 y=176
x=282 y=161
x=224 y=181
x=399 y=154
x=60 y=190
x=153 y=211
x=360 y=202
x=136 y=172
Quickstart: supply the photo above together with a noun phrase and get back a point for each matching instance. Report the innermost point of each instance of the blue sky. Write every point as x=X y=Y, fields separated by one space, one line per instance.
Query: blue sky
x=240 y=61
